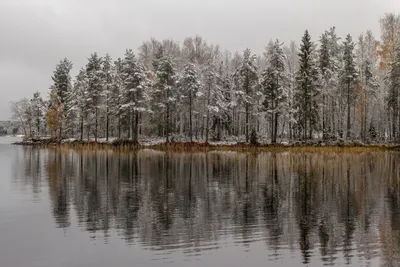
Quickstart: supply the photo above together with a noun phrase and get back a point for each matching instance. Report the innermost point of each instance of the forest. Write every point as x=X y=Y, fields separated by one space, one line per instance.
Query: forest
x=330 y=88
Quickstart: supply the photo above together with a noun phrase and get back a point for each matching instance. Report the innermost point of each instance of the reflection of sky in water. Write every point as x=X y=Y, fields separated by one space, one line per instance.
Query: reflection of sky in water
x=219 y=209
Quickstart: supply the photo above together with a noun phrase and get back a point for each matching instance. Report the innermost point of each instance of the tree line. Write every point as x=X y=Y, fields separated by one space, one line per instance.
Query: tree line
x=330 y=89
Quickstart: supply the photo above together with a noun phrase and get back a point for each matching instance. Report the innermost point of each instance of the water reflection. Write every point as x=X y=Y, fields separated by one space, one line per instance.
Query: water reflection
x=330 y=208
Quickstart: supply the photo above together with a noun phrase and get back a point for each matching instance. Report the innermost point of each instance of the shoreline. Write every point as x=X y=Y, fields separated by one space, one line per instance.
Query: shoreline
x=124 y=145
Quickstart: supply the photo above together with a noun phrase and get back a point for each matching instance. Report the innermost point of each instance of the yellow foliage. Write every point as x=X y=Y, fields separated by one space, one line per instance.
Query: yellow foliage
x=54 y=119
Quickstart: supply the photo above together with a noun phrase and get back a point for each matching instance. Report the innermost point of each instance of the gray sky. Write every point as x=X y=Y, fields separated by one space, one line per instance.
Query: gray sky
x=36 y=34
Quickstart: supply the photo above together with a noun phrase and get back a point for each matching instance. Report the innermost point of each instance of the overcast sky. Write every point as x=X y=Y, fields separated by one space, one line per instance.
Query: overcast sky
x=36 y=34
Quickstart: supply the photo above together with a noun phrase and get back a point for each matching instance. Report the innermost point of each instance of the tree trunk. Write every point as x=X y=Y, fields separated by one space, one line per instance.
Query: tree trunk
x=96 y=125
x=348 y=111
x=190 y=117
x=81 y=129
x=131 y=124
x=333 y=118
x=365 y=121
x=119 y=126
x=136 y=133
x=60 y=133
x=276 y=127
x=107 y=122
x=247 y=123
x=341 y=116
x=323 y=118
x=167 y=123
x=272 y=128
x=208 y=111
x=197 y=128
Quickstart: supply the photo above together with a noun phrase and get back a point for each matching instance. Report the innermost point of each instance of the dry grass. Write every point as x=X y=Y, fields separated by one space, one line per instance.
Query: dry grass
x=127 y=146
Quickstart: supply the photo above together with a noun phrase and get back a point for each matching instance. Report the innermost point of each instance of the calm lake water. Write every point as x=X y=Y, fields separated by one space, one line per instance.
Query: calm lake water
x=68 y=208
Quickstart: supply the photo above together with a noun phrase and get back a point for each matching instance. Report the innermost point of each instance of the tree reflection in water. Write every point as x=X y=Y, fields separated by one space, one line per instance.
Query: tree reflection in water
x=331 y=206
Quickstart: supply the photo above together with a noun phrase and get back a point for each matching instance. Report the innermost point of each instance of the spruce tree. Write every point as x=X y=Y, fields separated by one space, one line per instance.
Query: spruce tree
x=37 y=105
x=349 y=77
x=273 y=82
x=307 y=89
x=62 y=85
x=135 y=95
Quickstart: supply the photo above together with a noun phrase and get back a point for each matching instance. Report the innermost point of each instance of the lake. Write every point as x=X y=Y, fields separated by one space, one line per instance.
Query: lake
x=61 y=207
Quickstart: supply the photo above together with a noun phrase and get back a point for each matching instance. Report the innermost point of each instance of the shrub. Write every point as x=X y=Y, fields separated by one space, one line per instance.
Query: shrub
x=254 y=138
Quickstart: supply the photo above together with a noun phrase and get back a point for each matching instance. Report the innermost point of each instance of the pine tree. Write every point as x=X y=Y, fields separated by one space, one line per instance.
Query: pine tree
x=190 y=85
x=246 y=77
x=95 y=87
x=349 y=76
x=135 y=96
x=273 y=82
x=307 y=89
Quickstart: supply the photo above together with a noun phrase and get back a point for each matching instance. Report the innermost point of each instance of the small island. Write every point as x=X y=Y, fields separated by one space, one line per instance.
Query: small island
x=333 y=92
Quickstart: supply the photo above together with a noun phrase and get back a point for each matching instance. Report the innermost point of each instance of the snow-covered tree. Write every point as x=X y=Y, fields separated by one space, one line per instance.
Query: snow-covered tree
x=163 y=89
x=291 y=66
x=246 y=83
x=108 y=82
x=190 y=87
x=62 y=86
x=273 y=82
x=95 y=88
x=390 y=35
x=394 y=88
x=214 y=97
x=325 y=65
x=116 y=94
x=307 y=89
x=349 y=77
x=135 y=94
x=38 y=110
x=20 y=111
x=367 y=63
x=328 y=61
x=80 y=101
